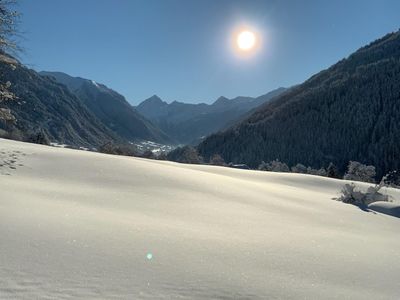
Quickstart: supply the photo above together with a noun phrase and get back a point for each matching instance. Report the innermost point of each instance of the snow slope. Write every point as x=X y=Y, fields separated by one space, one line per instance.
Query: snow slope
x=81 y=225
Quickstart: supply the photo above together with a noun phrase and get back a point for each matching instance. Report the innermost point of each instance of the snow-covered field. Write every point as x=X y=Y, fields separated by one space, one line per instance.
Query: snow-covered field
x=81 y=225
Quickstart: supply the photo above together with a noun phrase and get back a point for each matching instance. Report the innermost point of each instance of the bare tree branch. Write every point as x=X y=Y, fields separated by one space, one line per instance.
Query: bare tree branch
x=9 y=20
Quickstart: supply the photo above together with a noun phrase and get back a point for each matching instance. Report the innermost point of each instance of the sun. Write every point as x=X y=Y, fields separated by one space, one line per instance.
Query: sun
x=246 y=40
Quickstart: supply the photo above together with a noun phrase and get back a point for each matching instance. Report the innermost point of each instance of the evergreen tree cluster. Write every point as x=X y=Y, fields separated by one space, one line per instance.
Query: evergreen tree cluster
x=186 y=154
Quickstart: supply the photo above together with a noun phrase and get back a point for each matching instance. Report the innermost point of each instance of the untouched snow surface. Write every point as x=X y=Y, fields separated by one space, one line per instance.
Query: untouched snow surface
x=81 y=225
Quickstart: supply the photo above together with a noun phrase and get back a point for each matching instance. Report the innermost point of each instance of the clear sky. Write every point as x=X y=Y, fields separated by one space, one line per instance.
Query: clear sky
x=181 y=50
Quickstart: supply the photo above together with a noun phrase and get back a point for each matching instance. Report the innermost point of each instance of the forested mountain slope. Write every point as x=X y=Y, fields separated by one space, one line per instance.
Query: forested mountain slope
x=42 y=105
x=350 y=111
x=111 y=109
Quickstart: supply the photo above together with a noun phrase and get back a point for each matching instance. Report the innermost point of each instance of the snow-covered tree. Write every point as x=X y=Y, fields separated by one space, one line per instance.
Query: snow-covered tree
x=217 y=160
x=360 y=172
x=274 y=166
x=299 y=168
x=262 y=166
x=318 y=172
x=8 y=25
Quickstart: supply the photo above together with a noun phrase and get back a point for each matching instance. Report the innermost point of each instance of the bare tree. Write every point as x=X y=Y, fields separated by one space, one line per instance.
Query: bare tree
x=9 y=19
x=8 y=29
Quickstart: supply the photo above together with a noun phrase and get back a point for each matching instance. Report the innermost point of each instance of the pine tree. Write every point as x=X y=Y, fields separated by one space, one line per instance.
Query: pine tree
x=332 y=171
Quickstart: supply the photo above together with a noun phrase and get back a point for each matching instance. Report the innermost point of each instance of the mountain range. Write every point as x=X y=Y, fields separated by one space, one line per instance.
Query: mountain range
x=188 y=123
x=81 y=112
x=351 y=111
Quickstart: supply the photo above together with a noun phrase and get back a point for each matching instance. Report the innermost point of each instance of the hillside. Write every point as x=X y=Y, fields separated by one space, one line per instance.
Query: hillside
x=111 y=109
x=44 y=105
x=188 y=123
x=83 y=225
x=348 y=112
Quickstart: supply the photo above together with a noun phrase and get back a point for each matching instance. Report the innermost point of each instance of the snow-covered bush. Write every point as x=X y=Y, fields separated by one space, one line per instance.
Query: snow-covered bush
x=274 y=166
x=353 y=195
x=319 y=172
x=360 y=172
x=302 y=169
x=299 y=168
x=262 y=166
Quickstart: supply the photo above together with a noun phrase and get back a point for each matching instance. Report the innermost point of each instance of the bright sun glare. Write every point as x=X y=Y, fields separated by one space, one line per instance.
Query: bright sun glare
x=246 y=40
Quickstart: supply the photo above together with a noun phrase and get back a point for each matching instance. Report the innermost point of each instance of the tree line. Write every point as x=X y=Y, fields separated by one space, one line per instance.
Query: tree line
x=355 y=171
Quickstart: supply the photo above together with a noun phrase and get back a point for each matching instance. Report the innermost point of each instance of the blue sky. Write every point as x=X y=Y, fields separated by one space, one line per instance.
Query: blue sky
x=181 y=50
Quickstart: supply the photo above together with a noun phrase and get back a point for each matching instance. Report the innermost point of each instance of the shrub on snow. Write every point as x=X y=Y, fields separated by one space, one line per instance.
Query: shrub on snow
x=353 y=195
